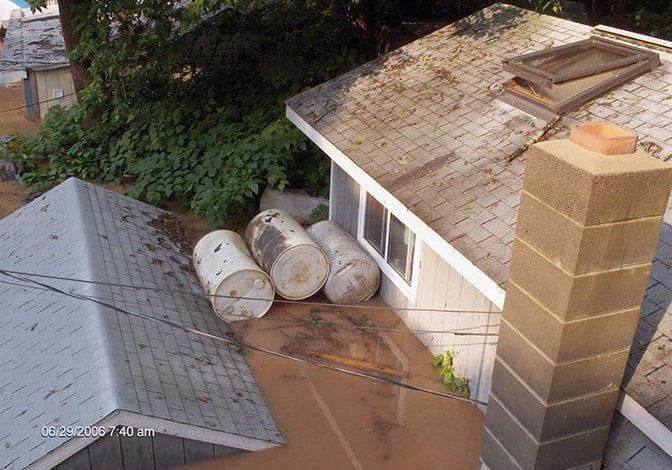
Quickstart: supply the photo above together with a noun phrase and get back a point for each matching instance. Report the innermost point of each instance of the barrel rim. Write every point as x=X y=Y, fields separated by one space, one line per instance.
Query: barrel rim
x=270 y=301
x=289 y=250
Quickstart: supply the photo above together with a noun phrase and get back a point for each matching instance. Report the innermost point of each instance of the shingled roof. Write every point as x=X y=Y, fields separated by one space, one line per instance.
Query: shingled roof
x=66 y=361
x=425 y=122
x=32 y=42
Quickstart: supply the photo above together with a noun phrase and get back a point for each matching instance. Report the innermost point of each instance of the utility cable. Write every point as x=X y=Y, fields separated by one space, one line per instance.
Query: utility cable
x=243 y=344
x=234 y=297
x=18 y=108
x=294 y=324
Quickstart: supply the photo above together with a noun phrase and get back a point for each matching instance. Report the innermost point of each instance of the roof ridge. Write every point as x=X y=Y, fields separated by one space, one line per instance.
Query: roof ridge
x=95 y=270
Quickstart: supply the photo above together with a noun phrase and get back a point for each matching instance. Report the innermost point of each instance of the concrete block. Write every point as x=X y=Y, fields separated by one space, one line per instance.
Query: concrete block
x=592 y=189
x=546 y=420
x=566 y=341
x=494 y=455
x=587 y=231
x=558 y=454
x=554 y=381
x=570 y=297
x=580 y=249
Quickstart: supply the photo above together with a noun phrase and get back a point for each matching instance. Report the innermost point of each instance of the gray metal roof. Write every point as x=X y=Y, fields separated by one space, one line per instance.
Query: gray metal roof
x=67 y=362
x=32 y=42
x=434 y=100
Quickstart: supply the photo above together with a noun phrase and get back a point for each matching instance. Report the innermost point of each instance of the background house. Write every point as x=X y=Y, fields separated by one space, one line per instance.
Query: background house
x=427 y=174
x=34 y=69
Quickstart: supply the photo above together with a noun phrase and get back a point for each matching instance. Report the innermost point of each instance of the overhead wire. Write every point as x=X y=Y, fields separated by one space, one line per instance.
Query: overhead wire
x=237 y=297
x=245 y=345
x=299 y=323
x=18 y=108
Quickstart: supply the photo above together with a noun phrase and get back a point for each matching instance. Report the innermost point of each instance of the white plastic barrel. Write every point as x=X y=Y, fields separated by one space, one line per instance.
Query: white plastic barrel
x=227 y=271
x=296 y=264
x=354 y=275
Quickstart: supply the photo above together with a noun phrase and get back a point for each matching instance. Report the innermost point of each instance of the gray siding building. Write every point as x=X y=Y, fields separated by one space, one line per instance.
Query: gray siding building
x=74 y=357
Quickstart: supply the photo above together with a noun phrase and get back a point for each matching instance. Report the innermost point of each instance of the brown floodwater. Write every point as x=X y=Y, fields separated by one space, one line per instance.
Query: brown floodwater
x=331 y=420
x=12 y=197
x=335 y=421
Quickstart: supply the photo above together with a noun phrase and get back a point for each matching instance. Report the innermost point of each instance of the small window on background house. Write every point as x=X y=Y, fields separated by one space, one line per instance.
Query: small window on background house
x=389 y=237
x=558 y=79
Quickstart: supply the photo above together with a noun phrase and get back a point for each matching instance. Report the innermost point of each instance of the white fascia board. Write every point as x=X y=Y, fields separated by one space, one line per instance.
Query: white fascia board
x=159 y=425
x=643 y=38
x=646 y=422
x=445 y=250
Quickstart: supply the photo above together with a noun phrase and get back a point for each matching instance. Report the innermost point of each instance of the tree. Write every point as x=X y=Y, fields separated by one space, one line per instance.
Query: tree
x=68 y=11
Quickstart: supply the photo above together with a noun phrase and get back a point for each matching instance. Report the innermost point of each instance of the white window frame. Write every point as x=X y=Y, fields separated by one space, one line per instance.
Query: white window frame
x=408 y=289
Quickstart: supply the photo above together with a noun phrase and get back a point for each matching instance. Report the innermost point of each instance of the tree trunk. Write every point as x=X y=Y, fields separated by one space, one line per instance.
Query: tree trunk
x=71 y=37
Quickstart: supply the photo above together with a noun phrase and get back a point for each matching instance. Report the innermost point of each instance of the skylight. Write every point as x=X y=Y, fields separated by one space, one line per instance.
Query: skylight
x=556 y=80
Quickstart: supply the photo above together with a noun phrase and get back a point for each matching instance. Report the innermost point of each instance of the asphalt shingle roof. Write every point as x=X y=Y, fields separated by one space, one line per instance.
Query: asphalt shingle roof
x=70 y=362
x=34 y=41
x=425 y=122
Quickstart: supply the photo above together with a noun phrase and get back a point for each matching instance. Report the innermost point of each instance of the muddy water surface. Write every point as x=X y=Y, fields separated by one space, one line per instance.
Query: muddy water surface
x=336 y=421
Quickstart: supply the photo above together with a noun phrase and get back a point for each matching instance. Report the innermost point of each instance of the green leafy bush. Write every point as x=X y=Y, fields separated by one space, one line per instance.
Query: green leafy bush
x=195 y=113
x=444 y=364
x=656 y=22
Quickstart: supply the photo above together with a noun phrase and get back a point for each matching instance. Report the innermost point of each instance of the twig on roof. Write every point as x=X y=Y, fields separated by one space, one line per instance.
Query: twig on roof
x=537 y=138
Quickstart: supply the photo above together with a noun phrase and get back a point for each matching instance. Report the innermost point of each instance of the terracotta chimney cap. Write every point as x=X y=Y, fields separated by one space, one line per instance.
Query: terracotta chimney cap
x=604 y=138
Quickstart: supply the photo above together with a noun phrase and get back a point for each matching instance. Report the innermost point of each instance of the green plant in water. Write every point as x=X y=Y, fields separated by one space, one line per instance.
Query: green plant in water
x=444 y=364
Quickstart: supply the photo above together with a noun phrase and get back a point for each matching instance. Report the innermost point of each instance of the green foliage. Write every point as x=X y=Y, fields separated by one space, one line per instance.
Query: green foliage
x=656 y=22
x=444 y=364
x=321 y=212
x=546 y=6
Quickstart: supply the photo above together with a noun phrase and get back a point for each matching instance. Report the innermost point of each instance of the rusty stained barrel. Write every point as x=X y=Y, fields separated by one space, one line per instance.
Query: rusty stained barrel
x=296 y=264
x=354 y=275
x=227 y=271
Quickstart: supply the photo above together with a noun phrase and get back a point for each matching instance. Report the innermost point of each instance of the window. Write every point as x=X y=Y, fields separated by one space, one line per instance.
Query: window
x=375 y=225
x=558 y=79
x=392 y=241
x=400 y=251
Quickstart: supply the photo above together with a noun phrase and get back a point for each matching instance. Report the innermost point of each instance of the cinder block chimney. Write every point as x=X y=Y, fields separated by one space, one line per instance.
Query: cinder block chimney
x=587 y=229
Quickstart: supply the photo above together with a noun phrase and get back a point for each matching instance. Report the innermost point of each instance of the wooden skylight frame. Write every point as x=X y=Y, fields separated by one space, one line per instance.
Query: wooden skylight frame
x=555 y=80
x=521 y=65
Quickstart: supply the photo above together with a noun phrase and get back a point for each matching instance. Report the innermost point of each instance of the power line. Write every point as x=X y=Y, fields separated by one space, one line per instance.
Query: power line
x=298 y=324
x=282 y=301
x=18 y=108
x=243 y=344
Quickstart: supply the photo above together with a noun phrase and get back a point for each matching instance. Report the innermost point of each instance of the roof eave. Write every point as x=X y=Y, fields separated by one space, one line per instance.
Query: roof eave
x=162 y=426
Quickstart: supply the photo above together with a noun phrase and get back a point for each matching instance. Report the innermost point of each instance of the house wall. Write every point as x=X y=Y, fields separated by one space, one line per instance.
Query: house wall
x=146 y=453
x=439 y=287
x=54 y=79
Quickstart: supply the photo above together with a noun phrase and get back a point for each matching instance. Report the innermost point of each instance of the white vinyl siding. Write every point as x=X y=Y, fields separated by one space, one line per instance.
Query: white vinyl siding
x=437 y=286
